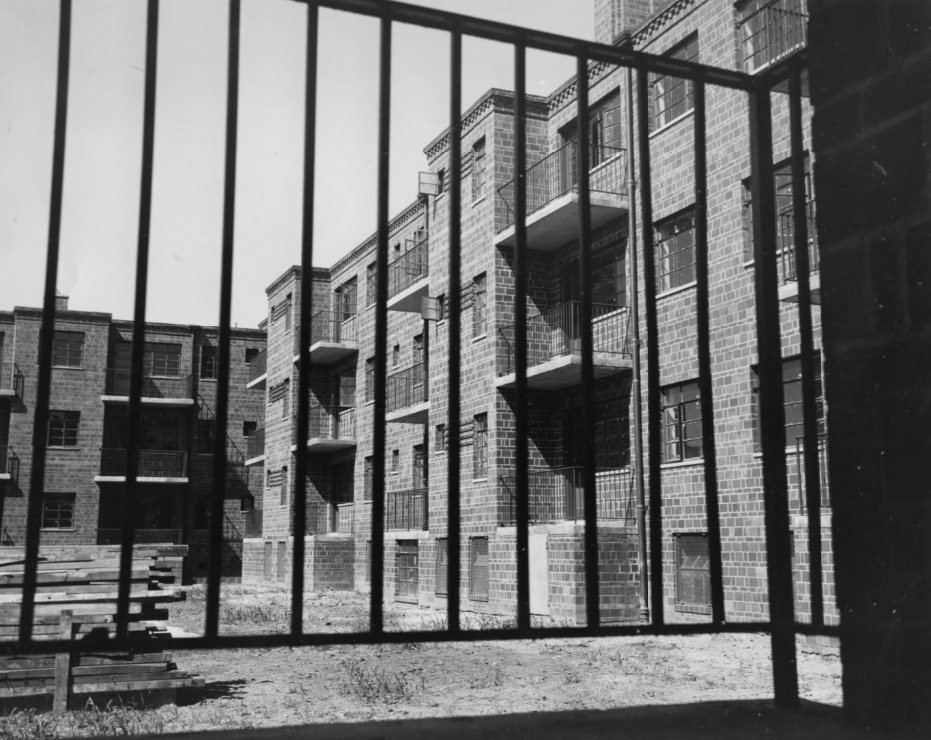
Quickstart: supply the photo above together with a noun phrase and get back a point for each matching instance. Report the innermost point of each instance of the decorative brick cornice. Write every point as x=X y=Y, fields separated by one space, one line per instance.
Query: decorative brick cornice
x=294 y=273
x=659 y=20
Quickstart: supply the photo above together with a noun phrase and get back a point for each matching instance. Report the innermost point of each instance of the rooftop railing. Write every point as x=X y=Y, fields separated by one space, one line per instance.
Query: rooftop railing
x=407 y=387
x=408 y=268
x=153 y=386
x=406 y=509
x=557 y=174
x=152 y=463
x=771 y=30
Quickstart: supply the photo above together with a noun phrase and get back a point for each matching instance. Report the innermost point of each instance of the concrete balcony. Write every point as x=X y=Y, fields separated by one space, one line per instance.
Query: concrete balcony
x=554 y=347
x=552 y=208
x=332 y=337
x=9 y=464
x=16 y=387
x=330 y=429
x=155 y=466
x=157 y=390
x=407 y=396
x=258 y=373
x=408 y=277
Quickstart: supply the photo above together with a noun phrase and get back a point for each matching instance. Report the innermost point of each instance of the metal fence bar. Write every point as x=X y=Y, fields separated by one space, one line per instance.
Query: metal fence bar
x=592 y=591
x=47 y=330
x=775 y=494
x=806 y=340
x=652 y=327
x=453 y=463
x=703 y=317
x=223 y=340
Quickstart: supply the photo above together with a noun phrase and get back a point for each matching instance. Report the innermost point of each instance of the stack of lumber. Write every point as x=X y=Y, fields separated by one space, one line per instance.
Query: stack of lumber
x=76 y=599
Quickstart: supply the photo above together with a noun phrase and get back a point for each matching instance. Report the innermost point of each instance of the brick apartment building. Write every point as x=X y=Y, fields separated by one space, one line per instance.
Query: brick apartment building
x=747 y=36
x=86 y=437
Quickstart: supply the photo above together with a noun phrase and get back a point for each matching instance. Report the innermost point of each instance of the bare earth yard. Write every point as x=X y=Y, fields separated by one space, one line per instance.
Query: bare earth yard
x=263 y=688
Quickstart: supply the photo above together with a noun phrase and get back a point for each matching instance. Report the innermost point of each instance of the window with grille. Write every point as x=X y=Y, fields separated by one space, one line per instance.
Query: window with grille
x=673 y=96
x=346 y=296
x=605 y=137
x=681 y=422
x=479 y=306
x=370 y=284
x=478 y=569
x=58 y=511
x=441 y=576
x=480 y=446
x=68 y=349
x=370 y=379
x=408 y=574
x=63 y=428
x=770 y=30
x=208 y=363
x=693 y=577
x=478 y=169
x=162 y=359
x=675 y=251
x=792 y=401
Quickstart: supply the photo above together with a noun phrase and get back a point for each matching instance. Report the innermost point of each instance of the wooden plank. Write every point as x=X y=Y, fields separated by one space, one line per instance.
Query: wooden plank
x=77 y=607
x=135 y=594
x=15 y=578
x=166 y=683
x=63 y=668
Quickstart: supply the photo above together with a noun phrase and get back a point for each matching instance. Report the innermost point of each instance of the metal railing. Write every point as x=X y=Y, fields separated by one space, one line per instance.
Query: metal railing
x=771 y=31
x=9 y=462
x=153 y=386
x=557 y=332
x=329 y=422
x=252 y=523
x=407 y=387
x=331 y=326
x=406 y=509
x=558 y=174
x=557 y=495
x=152 y=463
x=144 y=535
x=259 y=365
x=408 y=268
x=823 y=482
x=17 y=381
x=786 y=236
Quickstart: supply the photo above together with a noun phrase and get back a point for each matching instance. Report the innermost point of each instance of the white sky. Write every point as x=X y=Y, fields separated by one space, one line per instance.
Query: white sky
x=103 y=149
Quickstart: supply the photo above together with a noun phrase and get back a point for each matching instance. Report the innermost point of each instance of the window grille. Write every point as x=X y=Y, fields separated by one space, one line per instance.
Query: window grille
x=480 y=447
x=479 y=306
x=674 y=96
x=478 y=169
x=693 y=582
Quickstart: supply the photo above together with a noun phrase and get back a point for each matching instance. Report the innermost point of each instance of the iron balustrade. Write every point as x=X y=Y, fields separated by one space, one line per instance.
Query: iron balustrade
x=557 y=495
x=152 y=463
x=786 y=234
x=153 y=386
x=329 y=422
x=407 y=387
x=258 y=365
x=332 y=326
x=823 y=482
x=144 y=535
x=406 y=509
x=557 y=174
x=409 y=267
x=16 y=382
x=9 y=462
x=770 y=30
x=557 y=333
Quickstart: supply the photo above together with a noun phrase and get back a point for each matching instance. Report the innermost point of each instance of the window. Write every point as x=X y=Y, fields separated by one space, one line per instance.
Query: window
x=479 y=306
x=208 y=363
x=370 y=379
x=693 y=579
x=370 y=284
x=478 y=169
x=395 y=461
x=283 y=499
x=346 y=299
x=441 y=572
x=673 y=96
x=441 y=307
x=612 y=433
x=440 y=181
x=68 y=349
x=478 y=569
x=396 y=355
x=792 y=400
x=480 y=447
x=604 y=133
x=770 y=30
x=282 y=393
x=206 y=433
x=162 y=359
x=58 y=511
x=609 y=278
x=252 y=354
x=407 y=586
x=681 y=422
x=249 y=428
x=63 y=428
x=675 y=251
x=439 y=439
x=369 y=482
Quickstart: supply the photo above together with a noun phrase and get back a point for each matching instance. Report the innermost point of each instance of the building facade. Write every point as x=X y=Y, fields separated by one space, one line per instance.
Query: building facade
x=749 y=36
x=86 y=439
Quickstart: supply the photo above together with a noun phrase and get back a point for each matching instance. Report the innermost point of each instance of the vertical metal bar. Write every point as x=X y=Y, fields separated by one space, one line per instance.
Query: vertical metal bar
x=223 y=351
x=381 y=328
x=772 y=412
x=47 y=329
x=138 y=347
x=303 y=367
x=703 y=317
x=652 y=329
x=809 y=409
x=592 y=591
x=454 y=325
x=520 y=336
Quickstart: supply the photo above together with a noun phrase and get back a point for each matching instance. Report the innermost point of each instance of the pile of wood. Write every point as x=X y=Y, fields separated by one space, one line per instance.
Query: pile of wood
x=76 y=599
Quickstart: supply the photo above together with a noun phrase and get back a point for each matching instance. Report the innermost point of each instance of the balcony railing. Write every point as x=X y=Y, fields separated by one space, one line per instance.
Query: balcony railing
x=329 y=422
x=324 y=517
x=408 y=268
x=9 y=462
x=557 y=333
x=255 y=446
x=142 y=536
x=153 y=386
x=253 y=523
x=557 y=174
x=822 y=471
x=557 y=495
x=258 y=366
x=12 y=382
x=332 y=326
x=152 y=463
x=407 y=387
x=406 y=509
x=771 y=30
x=786 y=237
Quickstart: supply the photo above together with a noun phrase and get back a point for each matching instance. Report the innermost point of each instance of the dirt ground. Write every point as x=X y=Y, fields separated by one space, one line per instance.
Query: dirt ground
x=265 y=687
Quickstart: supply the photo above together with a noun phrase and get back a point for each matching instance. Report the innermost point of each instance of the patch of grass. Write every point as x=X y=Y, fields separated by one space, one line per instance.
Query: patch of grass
x=265 y=615
x=113 y=719
x=375 y=685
